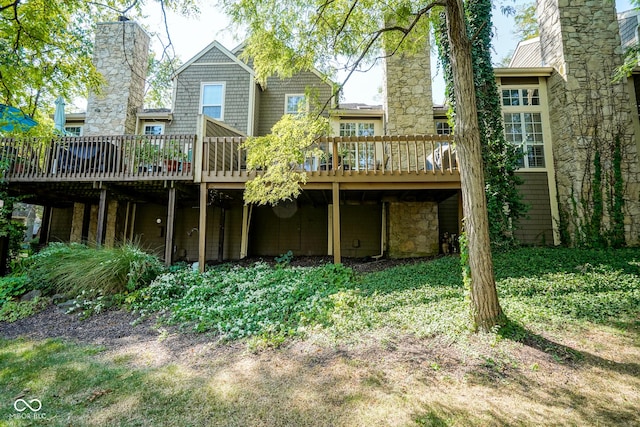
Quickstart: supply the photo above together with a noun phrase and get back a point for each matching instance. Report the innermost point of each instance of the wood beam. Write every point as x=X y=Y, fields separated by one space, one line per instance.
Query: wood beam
x=244 y=242
x=102 y=214
x=337 y=259
x=202 y=227
x=171 y=216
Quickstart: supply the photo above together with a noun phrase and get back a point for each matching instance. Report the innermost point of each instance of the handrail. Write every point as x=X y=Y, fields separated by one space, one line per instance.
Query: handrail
x=104 y=158
x=405 y=154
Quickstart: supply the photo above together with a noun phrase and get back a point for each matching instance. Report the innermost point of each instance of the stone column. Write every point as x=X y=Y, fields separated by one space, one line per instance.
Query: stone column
x=121 y=56
x=580 y=40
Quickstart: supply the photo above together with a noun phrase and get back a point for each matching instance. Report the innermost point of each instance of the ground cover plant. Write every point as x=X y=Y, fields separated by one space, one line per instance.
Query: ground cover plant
x=383 y=348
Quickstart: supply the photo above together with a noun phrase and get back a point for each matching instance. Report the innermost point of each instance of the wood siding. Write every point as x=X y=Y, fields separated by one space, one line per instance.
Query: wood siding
x=537 y=227
x=272 y=98
x=187 y=103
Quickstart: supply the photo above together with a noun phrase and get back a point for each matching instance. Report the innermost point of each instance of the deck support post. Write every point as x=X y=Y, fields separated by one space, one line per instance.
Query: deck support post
x=171 y=213
x=337 y=259
x=246 y=221
x=330 y=229
x=102 y=214
x=45 y=226
x=202 y=227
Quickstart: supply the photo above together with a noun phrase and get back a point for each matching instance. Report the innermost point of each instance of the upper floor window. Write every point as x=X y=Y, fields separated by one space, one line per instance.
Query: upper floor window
x=443 y=128
x=73 y=130
x=525 y=131
x=212 y=100
x=517 y=97
x=154 y=129
x=295 y=104
x=357 y=129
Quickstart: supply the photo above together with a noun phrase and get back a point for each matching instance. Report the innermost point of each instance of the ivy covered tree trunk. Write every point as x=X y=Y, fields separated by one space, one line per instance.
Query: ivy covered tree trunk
x=485 y=307
x=499 y=156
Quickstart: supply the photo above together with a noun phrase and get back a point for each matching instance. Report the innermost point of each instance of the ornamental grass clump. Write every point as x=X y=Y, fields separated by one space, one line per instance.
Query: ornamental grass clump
x=236 y=302
x=73 y=268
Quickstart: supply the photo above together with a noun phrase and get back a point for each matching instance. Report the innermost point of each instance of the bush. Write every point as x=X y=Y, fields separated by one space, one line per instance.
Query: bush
x=73 y=268
x=235 y=302
x=12 y=287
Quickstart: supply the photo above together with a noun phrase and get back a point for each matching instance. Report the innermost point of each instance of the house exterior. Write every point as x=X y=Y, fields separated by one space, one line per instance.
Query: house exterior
x=387 y=181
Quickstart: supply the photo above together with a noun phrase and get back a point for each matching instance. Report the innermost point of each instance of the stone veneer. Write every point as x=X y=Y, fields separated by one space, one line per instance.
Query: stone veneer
x=580 y=40
x=408 y=102
x=413 y=229
x=121 y=56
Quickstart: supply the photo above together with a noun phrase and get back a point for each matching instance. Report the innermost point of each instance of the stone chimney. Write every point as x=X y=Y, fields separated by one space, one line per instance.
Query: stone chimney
x=408 y=101
x=121 y=56
x=580 y=40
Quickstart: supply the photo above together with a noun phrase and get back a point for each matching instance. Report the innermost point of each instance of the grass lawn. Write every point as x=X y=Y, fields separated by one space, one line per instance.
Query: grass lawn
x=392 y=349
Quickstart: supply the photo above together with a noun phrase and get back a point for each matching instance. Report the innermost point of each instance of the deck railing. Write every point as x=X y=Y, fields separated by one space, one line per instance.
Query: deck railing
x=103 y=158
x=384 y=155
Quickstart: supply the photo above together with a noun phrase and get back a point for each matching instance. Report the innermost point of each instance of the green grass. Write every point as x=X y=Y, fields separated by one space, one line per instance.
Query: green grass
x=399 y=351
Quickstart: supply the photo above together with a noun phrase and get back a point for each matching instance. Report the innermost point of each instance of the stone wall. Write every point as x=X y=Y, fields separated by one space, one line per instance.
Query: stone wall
x=413 y=229
x=408 y=102
x=121 y=56
x=580 y=40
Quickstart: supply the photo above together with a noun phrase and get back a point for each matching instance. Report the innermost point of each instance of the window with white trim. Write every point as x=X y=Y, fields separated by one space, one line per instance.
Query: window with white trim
x=154 y=129
x=358 y=155
x=73 y=130
x=442 y=127
x=212 y=100
x=523 y=124
x=295 y=103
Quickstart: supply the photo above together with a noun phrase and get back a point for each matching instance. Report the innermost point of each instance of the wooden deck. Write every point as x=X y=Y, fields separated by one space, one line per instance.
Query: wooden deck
x=425 y=161
x=428 y=160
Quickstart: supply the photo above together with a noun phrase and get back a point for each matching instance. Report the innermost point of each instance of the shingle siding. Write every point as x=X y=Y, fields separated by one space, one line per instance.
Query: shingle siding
x=236 y=93
x=537 y=227
x=272 y=98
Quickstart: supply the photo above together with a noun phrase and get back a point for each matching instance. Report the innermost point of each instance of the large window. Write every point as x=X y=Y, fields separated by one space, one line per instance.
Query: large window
x=295 y=104
x=213 y=100
x=525 y=131
x=523 y=124
x=358 y=155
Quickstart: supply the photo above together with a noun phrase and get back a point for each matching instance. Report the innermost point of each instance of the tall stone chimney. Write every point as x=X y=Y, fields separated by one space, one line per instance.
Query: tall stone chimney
x=121 y=56
x=580 y=40
x=408 y=100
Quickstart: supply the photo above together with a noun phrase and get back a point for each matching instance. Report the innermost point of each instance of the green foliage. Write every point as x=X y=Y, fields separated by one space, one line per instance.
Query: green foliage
x=500 y=158
x=237 y=302
x=159 y=84
x=12 y=287
x=278 y=157
x=74 y=268
x=284 y=259
x=526 y=23
x=11 y=311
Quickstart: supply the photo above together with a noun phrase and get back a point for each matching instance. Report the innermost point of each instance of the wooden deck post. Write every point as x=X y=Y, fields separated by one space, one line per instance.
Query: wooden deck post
x=337 y=259
x=202 y=227
x=330 y=229
x=246 y=220
x=102 y=209
x=171 y=213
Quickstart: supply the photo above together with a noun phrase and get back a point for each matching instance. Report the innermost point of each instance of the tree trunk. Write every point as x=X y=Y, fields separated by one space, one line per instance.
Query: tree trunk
x=485 y=308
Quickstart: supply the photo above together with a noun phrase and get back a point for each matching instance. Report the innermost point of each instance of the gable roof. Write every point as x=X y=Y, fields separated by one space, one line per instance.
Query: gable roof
x=214 y=45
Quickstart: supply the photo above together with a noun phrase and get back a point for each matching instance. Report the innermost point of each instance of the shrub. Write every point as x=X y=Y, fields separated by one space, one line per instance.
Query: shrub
x=235 y=302
x=73 y=268
x=12 y=287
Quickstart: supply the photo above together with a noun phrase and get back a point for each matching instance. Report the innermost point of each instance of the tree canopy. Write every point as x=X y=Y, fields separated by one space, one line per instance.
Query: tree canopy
x=47 y=48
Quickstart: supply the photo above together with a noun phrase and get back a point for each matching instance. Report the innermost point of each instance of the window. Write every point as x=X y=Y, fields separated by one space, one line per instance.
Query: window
x=155 y=129
x=443 y=128
x=358 y=155
x=73 y=130
x=213 y=100
x=517 y=97
x=525 y=131
x=295 y=104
